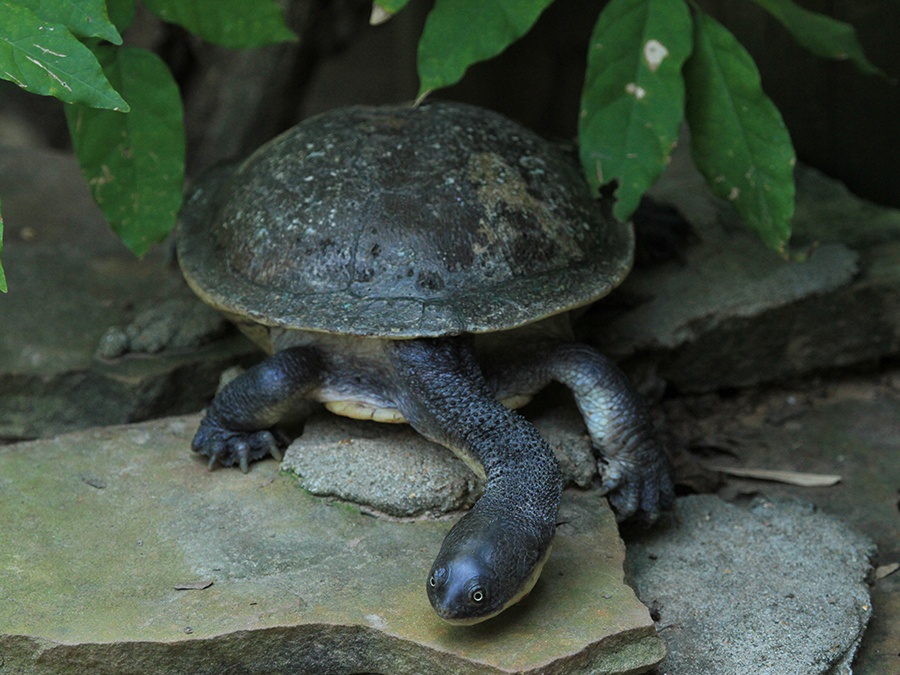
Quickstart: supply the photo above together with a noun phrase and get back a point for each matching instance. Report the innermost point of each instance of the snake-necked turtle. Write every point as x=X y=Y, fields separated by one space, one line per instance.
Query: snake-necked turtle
x=417 y=264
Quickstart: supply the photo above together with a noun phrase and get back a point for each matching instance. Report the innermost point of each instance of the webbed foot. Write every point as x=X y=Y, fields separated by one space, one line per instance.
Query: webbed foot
x=228 y=447
x=639 y=484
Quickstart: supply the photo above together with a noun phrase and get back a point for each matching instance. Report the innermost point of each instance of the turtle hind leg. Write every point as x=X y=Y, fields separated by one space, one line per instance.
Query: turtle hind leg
x=637 y=472
x=240 y=424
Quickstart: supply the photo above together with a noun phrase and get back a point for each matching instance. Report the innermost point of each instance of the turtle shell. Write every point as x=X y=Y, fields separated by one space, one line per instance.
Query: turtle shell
x=403 y=222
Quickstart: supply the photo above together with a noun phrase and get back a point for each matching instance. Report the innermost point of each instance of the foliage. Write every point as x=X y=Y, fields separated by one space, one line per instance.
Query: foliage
x=497 y=23
x=632 y=103
x=229 y=23
x=140 y=154
x=43 y=55
x=738 y=139
x=123 y=106
x=651 y=65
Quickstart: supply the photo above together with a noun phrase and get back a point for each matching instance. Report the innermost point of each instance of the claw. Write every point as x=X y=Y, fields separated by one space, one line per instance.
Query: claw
x=227 y=447
x=625 y=503
x=242 y=449
x=650 y=516
x=215 y=451
x=270 y=442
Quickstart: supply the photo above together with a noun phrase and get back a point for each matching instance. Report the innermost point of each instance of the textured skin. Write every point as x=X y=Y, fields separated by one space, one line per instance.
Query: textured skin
x=637 y=473
x=240 y=424
x=494 y=550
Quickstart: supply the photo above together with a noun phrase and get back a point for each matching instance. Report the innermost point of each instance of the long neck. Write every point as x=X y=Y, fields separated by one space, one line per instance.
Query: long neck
x=494 y=554
x=445 y=397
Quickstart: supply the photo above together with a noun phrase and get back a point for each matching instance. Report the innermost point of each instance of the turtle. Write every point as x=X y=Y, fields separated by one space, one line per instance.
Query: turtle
x=420 y=264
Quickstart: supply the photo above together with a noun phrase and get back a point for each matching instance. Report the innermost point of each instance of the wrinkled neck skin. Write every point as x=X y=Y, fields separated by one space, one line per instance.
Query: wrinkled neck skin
x=494 y=554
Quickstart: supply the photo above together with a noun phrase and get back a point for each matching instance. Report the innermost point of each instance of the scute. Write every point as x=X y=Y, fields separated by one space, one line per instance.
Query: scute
x=403 y=222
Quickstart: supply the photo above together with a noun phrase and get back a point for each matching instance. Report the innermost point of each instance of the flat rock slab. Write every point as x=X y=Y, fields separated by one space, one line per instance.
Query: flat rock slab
x=776 y=588
x=101 y=527
x=732 y=313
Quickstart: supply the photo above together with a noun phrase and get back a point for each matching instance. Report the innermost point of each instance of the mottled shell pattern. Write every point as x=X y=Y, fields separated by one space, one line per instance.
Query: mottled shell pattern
x=402 y=222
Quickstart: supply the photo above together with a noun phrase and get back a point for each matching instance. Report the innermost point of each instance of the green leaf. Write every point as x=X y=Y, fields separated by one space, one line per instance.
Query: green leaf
x=85 y=18
x=460 y=33
x=820 y=34
x=134 y=163
x=2 y=275
x=632 y=104
x=739 y=140
x=229 y=23
x=45 y=58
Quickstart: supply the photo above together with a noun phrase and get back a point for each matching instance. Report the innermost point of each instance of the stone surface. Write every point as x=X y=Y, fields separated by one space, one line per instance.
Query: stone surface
x=101 y=526
x=731 y=313
x=848 y=426
x=387 y=467
x=70 y=280
x=776 y=588
x=394 y=470
x=171 y=324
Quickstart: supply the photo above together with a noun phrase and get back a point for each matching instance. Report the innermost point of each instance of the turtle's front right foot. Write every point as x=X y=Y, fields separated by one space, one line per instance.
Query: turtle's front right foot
x=228 y=447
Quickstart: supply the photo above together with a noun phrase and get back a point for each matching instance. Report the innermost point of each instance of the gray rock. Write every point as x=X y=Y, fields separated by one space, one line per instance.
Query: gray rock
x=846 y=426
x=726 y=279
x=70 y=279
x=392 y=469
x=387 y=467
x=775 y=588
x=121 y=554
x=173 y=323
x=731 y=313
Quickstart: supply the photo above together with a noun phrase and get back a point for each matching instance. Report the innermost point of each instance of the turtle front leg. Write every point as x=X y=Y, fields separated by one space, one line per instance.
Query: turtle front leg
x=638 y=474
x=239 y=425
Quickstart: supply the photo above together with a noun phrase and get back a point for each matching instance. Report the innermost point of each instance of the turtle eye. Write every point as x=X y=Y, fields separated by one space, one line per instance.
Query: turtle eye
x=437 y=578
x=477 y=595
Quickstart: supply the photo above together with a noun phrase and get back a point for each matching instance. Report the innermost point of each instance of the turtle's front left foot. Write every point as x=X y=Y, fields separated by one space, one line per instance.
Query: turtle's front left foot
x=228 y=447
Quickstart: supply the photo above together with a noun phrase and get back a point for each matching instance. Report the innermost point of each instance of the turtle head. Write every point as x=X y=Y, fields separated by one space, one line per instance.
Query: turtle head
x=464 y=590
x=486 y=563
